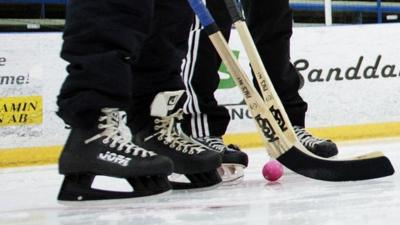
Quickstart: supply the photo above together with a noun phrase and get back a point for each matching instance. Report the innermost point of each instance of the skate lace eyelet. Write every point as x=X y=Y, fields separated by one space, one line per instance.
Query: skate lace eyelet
x=119 y=149
x=105 y=141
x=159 y=138
x=113 y=146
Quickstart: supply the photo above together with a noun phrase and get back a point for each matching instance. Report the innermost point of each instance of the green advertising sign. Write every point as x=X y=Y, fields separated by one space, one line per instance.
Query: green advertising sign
x=226 y=80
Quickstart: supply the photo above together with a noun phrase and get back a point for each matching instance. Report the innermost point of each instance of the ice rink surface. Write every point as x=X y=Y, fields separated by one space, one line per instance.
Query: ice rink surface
x=28 y=196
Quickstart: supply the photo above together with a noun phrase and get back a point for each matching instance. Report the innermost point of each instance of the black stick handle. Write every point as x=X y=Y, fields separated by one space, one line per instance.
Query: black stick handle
x=234 y=10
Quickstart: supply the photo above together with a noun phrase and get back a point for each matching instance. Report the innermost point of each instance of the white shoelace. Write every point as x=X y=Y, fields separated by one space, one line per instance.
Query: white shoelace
x=113 y=134
x=306 y=138
x=167 y=133
x=214 y=142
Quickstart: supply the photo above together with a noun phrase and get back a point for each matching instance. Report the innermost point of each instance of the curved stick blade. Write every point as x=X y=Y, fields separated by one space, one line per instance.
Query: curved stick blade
x=336 y=170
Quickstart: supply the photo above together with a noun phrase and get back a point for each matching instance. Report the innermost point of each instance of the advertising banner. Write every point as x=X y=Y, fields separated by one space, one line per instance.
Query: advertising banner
x=352 y=76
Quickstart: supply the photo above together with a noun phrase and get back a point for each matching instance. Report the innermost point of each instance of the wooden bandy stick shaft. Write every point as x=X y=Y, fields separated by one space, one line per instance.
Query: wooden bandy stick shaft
x=272 y=121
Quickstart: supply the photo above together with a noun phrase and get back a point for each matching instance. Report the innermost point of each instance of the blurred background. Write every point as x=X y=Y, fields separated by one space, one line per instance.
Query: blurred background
x=48 y=15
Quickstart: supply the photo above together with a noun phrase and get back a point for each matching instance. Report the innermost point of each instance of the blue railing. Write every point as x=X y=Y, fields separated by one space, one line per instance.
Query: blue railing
x=43 y=4
x=342 y=7
x=360 y=7
x=33 y=1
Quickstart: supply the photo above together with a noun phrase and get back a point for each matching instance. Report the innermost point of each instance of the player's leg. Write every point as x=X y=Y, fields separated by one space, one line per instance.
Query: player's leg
x=205 y=121
x=99 y=44
x=153 y=115
x=203 y=115
x=270 y=23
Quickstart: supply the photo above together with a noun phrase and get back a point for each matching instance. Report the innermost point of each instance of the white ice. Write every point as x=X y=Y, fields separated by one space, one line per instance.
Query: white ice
x=28 y=196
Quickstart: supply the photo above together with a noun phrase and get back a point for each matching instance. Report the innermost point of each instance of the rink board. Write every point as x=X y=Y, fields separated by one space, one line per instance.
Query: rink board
x=352 y=86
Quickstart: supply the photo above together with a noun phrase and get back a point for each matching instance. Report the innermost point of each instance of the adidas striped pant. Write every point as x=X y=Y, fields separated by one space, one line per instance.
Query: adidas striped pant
x=270 y=22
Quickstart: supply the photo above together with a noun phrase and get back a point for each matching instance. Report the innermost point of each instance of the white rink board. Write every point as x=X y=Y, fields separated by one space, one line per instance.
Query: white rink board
x=340 y=102
x=36 y=54
x=34 y=58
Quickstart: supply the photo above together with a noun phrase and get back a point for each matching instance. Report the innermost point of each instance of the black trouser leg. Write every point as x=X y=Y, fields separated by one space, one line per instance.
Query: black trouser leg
x=203 y=115
x=159 y=66
x=101 y=39
x=270 y=23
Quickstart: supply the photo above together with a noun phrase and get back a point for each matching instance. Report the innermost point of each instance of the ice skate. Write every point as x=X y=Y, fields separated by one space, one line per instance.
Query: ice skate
x=190 y=159
x=234 y=161
x=321 y=147
x=102 y=150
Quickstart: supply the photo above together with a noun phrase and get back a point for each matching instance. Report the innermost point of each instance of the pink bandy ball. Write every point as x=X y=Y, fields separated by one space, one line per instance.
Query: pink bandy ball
x=272 y=170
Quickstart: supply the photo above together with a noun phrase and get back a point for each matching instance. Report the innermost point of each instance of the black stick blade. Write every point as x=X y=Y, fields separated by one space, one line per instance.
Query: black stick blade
x=336 y=170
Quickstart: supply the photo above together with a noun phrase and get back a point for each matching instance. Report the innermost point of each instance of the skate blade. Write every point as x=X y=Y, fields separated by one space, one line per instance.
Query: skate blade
x=113 y=202
x=182 y=185
x=231 y=174
x=78 y=188
x=197 y=189
x=199 y=181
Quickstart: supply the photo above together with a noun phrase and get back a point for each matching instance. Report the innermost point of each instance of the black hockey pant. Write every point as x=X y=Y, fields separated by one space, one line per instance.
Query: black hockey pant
x=120 y=54
x=270 y=22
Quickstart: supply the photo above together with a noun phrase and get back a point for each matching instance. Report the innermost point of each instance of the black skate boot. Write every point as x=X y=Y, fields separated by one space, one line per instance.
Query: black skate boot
x=194 y=161
x=318 y=146
x=234 y=161
x=102 y=150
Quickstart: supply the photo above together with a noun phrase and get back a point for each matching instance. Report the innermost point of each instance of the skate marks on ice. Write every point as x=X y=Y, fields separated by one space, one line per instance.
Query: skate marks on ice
x=28 y=196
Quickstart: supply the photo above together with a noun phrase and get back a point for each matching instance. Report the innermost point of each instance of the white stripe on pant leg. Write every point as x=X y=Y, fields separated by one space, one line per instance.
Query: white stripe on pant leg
x=196 y=116
x=206 y=128
x=199 y=121
x=196 y=129
x=186 y=65
x=190 y=104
